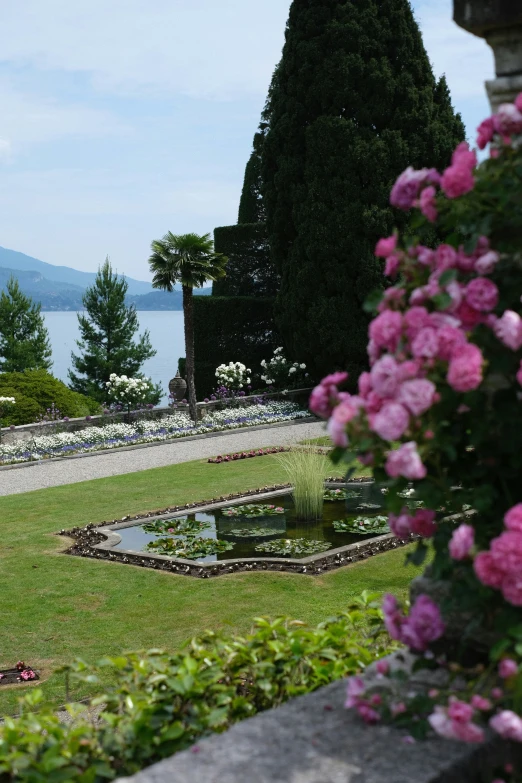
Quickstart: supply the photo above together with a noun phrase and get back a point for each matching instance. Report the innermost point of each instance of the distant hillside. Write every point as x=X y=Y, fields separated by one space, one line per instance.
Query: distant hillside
x=57 y=295
x=11 y=259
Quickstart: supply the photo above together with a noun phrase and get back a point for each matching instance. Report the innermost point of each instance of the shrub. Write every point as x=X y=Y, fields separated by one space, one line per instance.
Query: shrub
x=250 y=271
x=35 y=391
x=282 y=373
x=162 y=703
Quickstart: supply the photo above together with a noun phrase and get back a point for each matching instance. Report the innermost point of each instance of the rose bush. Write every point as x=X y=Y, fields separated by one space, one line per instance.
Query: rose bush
x=442 y=406
x=233 y=376
x=283 y=374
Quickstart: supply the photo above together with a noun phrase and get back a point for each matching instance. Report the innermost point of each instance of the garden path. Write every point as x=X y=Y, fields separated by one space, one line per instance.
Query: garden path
x=113 y=463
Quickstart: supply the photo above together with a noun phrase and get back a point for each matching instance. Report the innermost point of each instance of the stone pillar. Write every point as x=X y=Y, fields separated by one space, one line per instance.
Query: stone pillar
x=500 y=23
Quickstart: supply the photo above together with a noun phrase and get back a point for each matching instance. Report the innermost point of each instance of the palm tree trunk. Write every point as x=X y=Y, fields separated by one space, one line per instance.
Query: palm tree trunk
x=188 y=315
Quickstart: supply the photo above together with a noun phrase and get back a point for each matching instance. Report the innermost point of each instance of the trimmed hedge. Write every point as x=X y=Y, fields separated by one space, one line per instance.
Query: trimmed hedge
x=35 y=391
x=231 y=328
x=250 y=271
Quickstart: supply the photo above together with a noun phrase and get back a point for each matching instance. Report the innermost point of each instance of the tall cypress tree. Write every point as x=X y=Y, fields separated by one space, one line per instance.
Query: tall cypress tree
x=353 y=103
x=24 y=339
x=251 y=206
x=107 y=331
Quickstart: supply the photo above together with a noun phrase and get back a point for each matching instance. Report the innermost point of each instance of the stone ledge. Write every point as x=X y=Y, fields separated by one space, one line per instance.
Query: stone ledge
x=313 y=739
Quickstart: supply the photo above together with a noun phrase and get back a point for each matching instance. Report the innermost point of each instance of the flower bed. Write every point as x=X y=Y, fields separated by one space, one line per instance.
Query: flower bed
x=246 y=455
x=177 y=425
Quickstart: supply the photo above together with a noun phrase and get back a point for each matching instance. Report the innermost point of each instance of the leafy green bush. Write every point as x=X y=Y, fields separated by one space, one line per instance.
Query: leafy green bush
x=162 y=703
x=37 y=390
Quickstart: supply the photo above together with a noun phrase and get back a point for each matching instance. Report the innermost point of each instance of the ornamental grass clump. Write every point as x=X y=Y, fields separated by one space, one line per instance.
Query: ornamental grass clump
x=306 y=469
x=441 y=407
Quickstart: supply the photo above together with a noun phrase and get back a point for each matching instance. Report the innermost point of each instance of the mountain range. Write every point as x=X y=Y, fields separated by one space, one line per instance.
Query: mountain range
x=62 y=287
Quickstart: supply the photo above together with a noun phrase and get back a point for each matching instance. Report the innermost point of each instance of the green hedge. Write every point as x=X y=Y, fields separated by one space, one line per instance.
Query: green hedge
x=231 y=329
x=35 y=391
x=162 y=703
x=249 y=270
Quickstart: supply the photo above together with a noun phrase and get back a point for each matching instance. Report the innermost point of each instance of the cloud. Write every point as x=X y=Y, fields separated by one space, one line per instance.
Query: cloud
x=201 y=48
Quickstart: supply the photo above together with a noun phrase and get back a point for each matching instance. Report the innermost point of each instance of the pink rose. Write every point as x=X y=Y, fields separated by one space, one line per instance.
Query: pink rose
x=354 y=690
x=391 y=422
x=368 y=714
x=506 y=550
x=415 y=319
x=427 y=204
x=450 y=340
x=342 y=414
x=400 y=525
x=481 y=294
x=407 y=186
x=485 y=131
x=426 y=256
x=325 y=396
x=423 y=625
x=519 y=374
x=465 y=368
x=508 y=120
x=392 y=265
x=468 y=316
x=507 y=668
x=462 y=542
x=385 y=330
x=463 y=156
x=513 y=518
x=393 y=618
x=456 y=181
x=445 y=258
x=508 y=724
x=512 y=589
x=386 y=376
x=508 y=329
x=423 y=523
x=364 y=383
x=518 y=101
x=417 y=395
x=385 y=247
x=459 y=710
x=382 y=666
x=480 y=703
x=426 y=344
x=487 y=570
x=405 y=461
x=486 y=263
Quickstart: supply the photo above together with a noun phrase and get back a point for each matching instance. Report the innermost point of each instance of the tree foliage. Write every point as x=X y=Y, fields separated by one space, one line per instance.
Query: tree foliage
x=24 y=340
x=352 y=104
x=107 y=337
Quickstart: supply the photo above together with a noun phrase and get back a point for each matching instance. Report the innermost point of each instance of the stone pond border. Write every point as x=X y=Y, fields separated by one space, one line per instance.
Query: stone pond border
x=97 y=541
x=182 y=439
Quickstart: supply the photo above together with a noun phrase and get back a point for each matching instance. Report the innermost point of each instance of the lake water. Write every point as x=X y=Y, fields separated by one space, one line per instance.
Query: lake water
x=166 y=335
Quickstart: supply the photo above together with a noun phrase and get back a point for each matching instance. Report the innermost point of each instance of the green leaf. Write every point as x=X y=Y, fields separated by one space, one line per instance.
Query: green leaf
x=418 y=556
x=448 y=276
x=442 y=301
x=373 y=300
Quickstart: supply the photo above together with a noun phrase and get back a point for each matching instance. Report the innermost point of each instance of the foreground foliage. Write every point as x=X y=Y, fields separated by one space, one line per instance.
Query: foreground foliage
x=162 y=703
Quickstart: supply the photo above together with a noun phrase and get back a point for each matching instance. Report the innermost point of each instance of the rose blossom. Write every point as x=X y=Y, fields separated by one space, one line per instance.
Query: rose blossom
x=512 y=589
x=393 y=618
x=405 y=461
x=465 y=368
x=485 y=131
x=385 y=330
x=507 y=668
x=382 y=666
x=406 y=188
x=417 y=395
x=487 y=570
x=324 y=396
x=513 y=518
x=480 y=703
x=462 y=542
x=486 y=263
x=342 y=414
x=385 y=247
x=423 y=523
x=391 y=422
x=508 y=725
x=518 y=101
x=481 y=294
x=463 y=156
x=450 y=339
x=423 y=625
x=456 y=729
x=427 y=204
x=518 y=376
x=385 y=375
x=400 y=525
x=508 y=119
x=416 y=318
x=445 y=257
x=354 y=690
x=508 y=329
x=426 y=344
x=391 y=266
x=506 y=550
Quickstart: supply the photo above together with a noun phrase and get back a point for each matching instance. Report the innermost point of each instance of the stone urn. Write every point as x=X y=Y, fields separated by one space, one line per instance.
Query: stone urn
x=177 y=387
x=500 y=23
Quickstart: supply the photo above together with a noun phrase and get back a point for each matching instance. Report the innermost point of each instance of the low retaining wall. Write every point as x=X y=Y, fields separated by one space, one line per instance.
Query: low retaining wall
x=26 y=432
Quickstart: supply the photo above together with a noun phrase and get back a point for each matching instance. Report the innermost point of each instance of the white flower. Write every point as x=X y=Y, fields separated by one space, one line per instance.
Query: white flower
x=291 y=370
x=302 y=366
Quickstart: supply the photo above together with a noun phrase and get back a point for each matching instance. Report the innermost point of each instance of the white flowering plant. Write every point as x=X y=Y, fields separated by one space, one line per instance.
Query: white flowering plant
x=282 y=373
x=233 y=375
x=129 y=392
x=5 y=404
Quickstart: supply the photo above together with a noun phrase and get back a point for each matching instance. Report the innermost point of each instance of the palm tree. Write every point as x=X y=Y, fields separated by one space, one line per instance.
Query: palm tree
x=188 y=259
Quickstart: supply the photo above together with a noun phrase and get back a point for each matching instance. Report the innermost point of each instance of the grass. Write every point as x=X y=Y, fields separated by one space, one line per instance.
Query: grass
x=305 y=469
x=56 y=607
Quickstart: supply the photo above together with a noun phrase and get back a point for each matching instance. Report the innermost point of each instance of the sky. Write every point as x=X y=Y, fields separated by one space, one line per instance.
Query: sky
x=122 y=120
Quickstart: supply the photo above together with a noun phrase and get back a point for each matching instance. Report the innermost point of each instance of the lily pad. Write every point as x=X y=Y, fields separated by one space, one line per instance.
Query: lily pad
x=190 y=548
x=179 y=526
x=251 y=510
x=341 y=494
x=362 y=525
x=293 y=547
x=251 y=532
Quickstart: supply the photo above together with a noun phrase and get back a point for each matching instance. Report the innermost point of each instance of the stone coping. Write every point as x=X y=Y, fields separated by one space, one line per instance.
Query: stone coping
x=314 y=739
x=168 y=441
x=99 y=542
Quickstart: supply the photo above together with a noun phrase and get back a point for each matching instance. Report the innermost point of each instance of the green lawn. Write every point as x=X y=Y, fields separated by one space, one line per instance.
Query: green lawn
x=56 y=607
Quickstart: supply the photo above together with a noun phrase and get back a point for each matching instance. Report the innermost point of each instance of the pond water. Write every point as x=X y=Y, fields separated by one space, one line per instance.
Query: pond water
x=217 y=525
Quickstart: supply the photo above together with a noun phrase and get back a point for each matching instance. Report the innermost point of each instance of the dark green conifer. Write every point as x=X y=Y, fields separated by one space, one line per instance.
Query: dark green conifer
x=24 y=339
x=353 y=103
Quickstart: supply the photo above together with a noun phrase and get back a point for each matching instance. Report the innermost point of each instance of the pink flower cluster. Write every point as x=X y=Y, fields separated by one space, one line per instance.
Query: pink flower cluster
x=355 y=698
x=508 y=724
x=422 y=523
x=501 y=565
x=507 y=122
x=456 y=722
x=420 y=628
x=461 y=542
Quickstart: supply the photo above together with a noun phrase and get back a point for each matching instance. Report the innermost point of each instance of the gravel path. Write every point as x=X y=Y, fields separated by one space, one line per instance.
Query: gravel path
x=114 y=463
